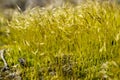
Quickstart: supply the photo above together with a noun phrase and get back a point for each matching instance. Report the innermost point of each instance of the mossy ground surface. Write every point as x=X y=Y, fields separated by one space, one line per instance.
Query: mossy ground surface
x=66 y=43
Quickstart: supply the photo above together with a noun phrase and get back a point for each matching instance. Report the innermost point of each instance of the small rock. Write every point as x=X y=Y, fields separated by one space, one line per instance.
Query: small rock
x=22 y=62
x=5 y=68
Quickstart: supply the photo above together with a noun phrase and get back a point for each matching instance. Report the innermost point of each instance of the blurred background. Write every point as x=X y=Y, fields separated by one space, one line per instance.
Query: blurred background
x=8 y=6
x=24 y=4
